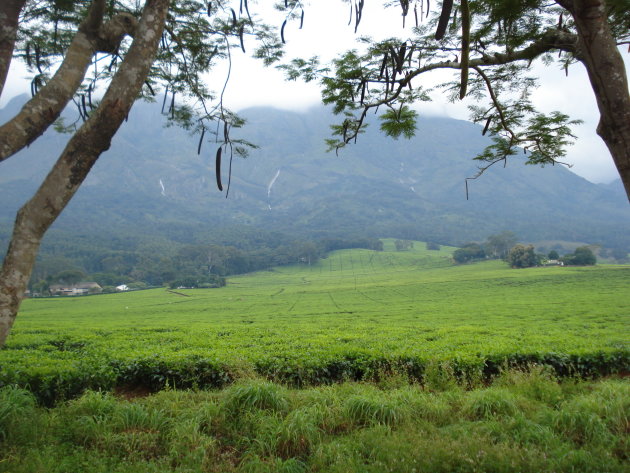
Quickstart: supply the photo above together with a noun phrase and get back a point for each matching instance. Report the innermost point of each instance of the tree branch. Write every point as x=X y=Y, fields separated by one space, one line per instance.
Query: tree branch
x=75 y=162
x=9 y=17
x=46 y=106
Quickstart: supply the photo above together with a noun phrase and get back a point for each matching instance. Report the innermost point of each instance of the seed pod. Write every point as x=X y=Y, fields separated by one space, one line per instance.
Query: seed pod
x=284 y=23
x=209 y=9
x=350 y=19
x=172 y=108
x=447 y=7
x=428 y=8
x=247 y=11
x=384 y=63
x=363 y=92
x=401 y=57
x=485 y=128
x=164 y=101
x=465 y=48
x=241 y=30
x=218 y=168
x=415 y=14
x=203 y=132
x=302 y=19
x=560 y=21
x=233 y=16
x=37 y=57
x=225 y=132
x=28 y=54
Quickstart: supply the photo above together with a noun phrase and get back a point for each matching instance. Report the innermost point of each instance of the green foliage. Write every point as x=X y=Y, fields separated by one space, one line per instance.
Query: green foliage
x=503 y=40
x=521 y=256
x=399 y=122
x=582 y=256
x=355 y=315
x=403 y=245
x=348 y=427
x=469 y=252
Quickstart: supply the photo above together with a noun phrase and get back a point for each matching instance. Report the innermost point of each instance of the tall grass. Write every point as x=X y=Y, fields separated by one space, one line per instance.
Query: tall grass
x=525 y=421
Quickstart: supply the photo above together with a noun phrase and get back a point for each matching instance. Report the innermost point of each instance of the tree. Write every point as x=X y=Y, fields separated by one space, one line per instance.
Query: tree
x=490 y=45
x=553 y=255
x=173 y=44
x=403 y=245
x=433 y=246
x=469 y=252
x=498 y=246
x=521 y=256
x=582 y=256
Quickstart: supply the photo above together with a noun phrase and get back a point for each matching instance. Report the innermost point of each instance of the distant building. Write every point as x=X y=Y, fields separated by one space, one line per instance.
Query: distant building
x=78 y=289
x=122 y=287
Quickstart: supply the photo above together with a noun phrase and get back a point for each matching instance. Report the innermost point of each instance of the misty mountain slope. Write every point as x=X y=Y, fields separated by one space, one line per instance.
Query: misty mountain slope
x=152 y=179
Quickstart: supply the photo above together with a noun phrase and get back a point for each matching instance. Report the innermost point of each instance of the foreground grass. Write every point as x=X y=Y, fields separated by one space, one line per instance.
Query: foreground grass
x=345 y=318
x=524 y=421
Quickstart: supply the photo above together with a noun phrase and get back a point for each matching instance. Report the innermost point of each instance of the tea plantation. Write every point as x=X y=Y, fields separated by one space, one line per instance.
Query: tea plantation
x=356 y=315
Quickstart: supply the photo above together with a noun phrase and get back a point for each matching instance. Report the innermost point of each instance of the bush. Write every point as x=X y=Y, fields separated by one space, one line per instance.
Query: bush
x=433 y=246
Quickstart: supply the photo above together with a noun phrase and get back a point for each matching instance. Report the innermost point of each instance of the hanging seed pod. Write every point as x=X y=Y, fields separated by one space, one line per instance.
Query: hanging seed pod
x=37 y=57
x=233 y=17
x=217 y=169
x=247 y=11
x=241 y=30
x=560 y=21
x=400 y=59
x=415 y=14
x=151 y=91
x=302 y=19
x=350 y=19
x=465 y=48
x=209 y=9
x=284 y=23
x=447 y=7
x=363 y=92
x=428 y=8
x=383 y=64
x=485 y=128
x=203 y=132
x=225 y=132
x=83 y=107
x=172 y=107
x=164 y=101
x=28 y=54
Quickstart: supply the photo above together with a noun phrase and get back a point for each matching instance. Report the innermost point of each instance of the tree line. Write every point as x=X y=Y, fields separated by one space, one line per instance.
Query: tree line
x=504 y=246
x=191 y=265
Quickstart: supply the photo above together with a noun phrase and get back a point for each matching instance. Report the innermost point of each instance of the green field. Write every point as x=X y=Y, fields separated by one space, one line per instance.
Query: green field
x=352 y=315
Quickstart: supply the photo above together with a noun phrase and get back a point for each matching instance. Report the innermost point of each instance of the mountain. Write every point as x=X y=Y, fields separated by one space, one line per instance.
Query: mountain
x=152 y=182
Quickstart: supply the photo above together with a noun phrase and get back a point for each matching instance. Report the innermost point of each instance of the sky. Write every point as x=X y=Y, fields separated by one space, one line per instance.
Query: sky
x=326 y=33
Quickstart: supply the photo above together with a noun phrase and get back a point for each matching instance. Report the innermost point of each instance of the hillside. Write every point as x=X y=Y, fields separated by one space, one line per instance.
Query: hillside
x=152 y=184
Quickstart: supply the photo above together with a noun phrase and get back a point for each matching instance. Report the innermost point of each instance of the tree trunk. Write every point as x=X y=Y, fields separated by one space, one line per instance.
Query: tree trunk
x=9 y=17
x=74 y=164
x=607 y=74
